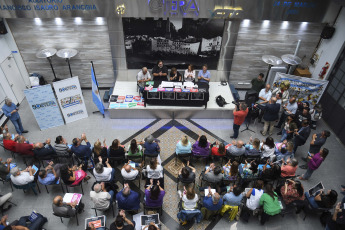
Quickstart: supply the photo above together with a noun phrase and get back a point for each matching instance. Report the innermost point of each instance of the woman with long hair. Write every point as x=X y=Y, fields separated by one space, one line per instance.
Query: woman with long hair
x=135 y=149
x=269 y=201
x=100 y=151
x=250 y=169
x=218 y=150
x=201 y=147
x=288 y=128
x=315 y=160
x=189 y=198
x=189 y=73
x=231 y=170
x=183 y=146
x=268 y=149
x=116 y=150
x=154 y=194
x=155 y=171
x=74 y=175
x=291 y=191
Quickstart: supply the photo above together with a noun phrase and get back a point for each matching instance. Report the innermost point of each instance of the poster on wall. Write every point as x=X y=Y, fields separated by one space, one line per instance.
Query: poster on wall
x=70 y=99
x=304 y=89
x=44 y=106
x=178 y=42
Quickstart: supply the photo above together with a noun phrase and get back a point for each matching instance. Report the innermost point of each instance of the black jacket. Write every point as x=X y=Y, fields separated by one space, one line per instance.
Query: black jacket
x=44 y=152
x=302 y=137
x=271 y=111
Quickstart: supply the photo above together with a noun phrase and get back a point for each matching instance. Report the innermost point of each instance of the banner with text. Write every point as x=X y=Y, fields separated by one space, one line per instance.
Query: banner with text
x=304 y=89
x=44 y=106
x=70 y=99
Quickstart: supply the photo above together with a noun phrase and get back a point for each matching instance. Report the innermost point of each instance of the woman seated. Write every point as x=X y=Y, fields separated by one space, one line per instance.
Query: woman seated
x=201 y=147
x=289 y=168
x=61 y=147
x=254 y=195
x=267 y=149
x=284 y=152
x=154 y=194
x=155 y=171
x=100 y=151
x=116 y=150
x=189 y=198
x=292 y=191
x=135 y=149
x=253 y=148
x=183 y=146
x=230 y=170
x=72 y=176
x=218 y=150
x=175 y=75
x=151 y=146
x=250 y=170
x=189 y=73
x=322 y=199
x=187 y=173
x=271 y=205
x=233 y=197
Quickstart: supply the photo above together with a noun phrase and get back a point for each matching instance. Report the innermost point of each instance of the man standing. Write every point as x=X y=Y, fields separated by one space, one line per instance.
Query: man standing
x=265 y=95
x=302 y=115
x=160 y=72
x=288 y=109
x=11 y=111
x=258 y=83
x=204 y=75
x=301 y=135
x=142 y=77
x=239 y=117
x=271 y=114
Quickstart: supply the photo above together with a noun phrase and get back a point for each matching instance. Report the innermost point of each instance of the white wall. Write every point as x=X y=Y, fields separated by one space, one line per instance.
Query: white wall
x=330 y=49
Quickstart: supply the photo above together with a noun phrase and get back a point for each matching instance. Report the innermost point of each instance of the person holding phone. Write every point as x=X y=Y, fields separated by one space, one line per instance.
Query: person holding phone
x=11 y=111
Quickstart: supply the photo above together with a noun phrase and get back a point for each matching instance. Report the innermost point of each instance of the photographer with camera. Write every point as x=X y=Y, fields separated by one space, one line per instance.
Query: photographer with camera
x=239 y=117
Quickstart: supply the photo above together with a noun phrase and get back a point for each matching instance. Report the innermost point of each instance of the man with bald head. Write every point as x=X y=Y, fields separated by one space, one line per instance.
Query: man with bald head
x=10 y=144
x=61 y=208
x=128 y=199
x=44 y=150
x=128 y=172
x=142 y=77
x=211 y=205
x=101 y=198
x=271 y=115
x=265 y=95
x=236 y=149
x=23 y=147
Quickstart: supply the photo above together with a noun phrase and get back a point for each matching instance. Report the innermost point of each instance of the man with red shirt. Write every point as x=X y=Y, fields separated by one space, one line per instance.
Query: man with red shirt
x=9 y=144
x=239 y=117
x=24 y=148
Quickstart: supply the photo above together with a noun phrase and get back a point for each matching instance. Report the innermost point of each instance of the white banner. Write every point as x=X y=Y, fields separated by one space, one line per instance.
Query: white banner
x=44 y=106
x=304 y=89
x=70 y=99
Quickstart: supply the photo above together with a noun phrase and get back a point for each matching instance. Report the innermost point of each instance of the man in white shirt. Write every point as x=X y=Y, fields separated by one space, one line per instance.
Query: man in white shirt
x=128 y=172
x=103 y=174
x=289 y=108
x=21 y=178
x=265 y=95
x=101 y=198
x=142 y=77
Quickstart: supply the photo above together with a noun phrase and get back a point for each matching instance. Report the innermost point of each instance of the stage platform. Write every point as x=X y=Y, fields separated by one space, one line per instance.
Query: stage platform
x=123 y=88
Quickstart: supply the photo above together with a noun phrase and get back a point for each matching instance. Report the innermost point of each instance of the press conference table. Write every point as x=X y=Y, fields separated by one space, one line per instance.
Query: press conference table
x=171 y=98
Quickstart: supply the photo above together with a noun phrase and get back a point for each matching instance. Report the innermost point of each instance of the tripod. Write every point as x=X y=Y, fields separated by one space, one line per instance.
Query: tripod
x=247 y=120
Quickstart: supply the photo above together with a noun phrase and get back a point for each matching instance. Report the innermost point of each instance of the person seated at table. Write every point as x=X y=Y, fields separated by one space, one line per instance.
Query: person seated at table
x=250 y=169
x=142 y=77
x=236 y=149
x=267 y=149
x=44 y=150
x=61 y=208
x=187 y=173
x=82 y=151
x=254 y=195
x=23 y=147
x=189 y=73
x=160 y=71
x=8 y=143
x=155 y=171
x=5 y=170
x=285 y=152
x=230 y=170
x=151 y=146
x=211 y=205
x=119 y=223
x=233 y=197
x=128 y=172
x=201 y=147
x=21 y=178
x=73 y=176
x=135 y=148
x=61 y=146
x=101 y=198
x=218 y=150
x=292 y=191
x=289 y=169
x=116 y=150
x=204 y=75
x=269 y=201
x=128 y=199
x=184 y=146
x=100 y=151
x=49 y=175
x=189 y=198
x=253 y=148
x=175 y=75
x=154 y=195
x=24 y=223
x=102 y=173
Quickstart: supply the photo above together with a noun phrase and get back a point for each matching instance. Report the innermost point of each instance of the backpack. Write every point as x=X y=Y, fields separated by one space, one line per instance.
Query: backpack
x=220 y=101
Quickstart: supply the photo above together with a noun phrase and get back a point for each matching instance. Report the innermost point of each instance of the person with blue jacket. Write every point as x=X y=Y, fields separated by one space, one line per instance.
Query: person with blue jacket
x=271 y=115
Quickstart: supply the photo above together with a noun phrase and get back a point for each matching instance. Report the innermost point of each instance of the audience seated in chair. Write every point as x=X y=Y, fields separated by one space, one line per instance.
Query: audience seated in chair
x=100 y=151
x=284 y=152
x=254 y=195
x=24 y=177
x=184 y=146
x=189 y=198
x=236 y=149
x=24 y=223
x=120 y=221
x=269 y=201
x=253 y=148
x=155 y=171
x=66 y=209
x=82 y=151
x=233 y=197
x=10 y=144
x=44 y=151
x=187 y=173
x=211 y=205
x=101 y=198
x=289 y=169
x=49 y=175
x=268 y=149
x=116 y=150
x=5 y=170
x=23 y=147
x=151 y=226
x=128 y=172
x=135 y=148
x=61 y=147
x=250 y=170
x=230 y=170
x=154 y=195
x=73 y=176
x=151 y=146
x=102 y=173
x=201 y=147
x=292 y=191
x=214 y=175
x=218 y=150
x=128 y=199
x=323 y=199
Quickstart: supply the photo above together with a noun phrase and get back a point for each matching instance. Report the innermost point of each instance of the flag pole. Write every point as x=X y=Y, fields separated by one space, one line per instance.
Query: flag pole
x=94 y=74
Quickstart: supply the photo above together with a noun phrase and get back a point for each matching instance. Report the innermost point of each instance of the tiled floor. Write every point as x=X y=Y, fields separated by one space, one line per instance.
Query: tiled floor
x=169 y=132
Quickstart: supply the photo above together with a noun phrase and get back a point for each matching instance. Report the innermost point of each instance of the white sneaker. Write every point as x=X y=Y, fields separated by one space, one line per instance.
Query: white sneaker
x=179 y=193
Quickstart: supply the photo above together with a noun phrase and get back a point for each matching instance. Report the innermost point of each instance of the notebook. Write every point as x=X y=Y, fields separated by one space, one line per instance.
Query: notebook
x=98 y=222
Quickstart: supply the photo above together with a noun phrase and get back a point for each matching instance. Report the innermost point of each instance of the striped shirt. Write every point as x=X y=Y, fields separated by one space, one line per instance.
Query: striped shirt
x=61 y=149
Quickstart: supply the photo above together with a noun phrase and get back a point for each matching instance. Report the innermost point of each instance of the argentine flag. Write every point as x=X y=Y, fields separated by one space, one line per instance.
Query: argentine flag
x=95 y=94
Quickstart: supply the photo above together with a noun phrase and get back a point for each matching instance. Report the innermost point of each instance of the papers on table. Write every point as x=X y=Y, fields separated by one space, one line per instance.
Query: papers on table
x=71 y=197
x=212 y=190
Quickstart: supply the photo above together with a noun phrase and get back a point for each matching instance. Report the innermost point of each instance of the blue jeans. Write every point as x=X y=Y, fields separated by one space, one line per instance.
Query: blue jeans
x=141 y=89
x=111 y=192
x=284 y=135
x=35 y=225
x=18 y=125
x=308 y=173
x=236 y=128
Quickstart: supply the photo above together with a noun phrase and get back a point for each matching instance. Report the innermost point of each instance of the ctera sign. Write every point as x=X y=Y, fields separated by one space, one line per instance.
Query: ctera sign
x=174 y=7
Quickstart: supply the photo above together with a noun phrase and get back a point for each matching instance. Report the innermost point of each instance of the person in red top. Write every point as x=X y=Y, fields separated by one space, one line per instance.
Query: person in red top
x=239 y=117
x=218 y=150
x=289 y=169
x=24 y=148
x=10 y=144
